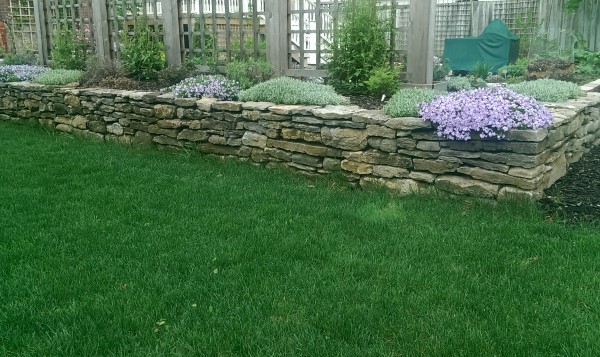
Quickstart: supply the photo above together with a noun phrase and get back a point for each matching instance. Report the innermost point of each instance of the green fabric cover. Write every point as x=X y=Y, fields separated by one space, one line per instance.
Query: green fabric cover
x=496 y=46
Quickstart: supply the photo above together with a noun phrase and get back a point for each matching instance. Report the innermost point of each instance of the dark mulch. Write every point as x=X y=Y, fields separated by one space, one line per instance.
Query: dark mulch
x=576 y=196
x=366 y=102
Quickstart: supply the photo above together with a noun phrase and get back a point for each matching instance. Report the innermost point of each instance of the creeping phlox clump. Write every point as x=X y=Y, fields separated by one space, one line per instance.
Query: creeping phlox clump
x=215 y=86
x=491 y=112
x=20 y=72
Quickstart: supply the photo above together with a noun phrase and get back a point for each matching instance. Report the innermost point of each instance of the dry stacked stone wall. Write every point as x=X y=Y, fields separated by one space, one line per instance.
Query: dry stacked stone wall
x=369 y=147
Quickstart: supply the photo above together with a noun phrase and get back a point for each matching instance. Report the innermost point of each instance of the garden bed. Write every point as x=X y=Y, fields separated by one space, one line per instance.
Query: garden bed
x=368 y=147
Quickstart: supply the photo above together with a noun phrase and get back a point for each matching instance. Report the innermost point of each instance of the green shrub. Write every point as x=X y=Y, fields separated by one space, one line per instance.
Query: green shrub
x=172 y=75
x=383 y=81
x=19 y=58
x=359 y=46
x=548 y=90
x=456 y=84
x=142 y=54
x=98 y=69
x=285 y=90
x=407 y=102
x=517 y=69
x=59 y=77
x=587 y=62
x=481 y=70
x=440 y=68
x=68 y=51
x=249 y=72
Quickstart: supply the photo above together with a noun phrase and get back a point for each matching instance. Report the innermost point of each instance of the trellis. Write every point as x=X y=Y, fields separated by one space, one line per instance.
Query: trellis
x=21 y=26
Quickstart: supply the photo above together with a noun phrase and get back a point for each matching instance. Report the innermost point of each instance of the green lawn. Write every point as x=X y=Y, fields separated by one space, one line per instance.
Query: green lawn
x=107 y=250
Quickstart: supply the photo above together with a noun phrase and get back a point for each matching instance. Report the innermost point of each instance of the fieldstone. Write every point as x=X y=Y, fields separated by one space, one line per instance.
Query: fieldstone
x=309 y=149
x=400 y=186
x=124 y=107
x=205 y=104
x=279 y=154
x=387 y=145
x=522 y=160
x=435 y=166
x=115 y=129
x=170 y=123
x=526 y=134
x=307 y=160
x=138 y=126
x=406 y=143
x=558 y=169
x=357 y=167
x=509 y=192
x=142 y=138
x=254 y=140
x=64 y=128
x=466 y=186
x=501 y=178
x=528 y=173
x=166 y=140
x=192 y=135
x=209 y=148
x=422 y=176
x=407 y=123
x=295 y=134
x=381 y=131
x=90 y=135
x=459 y=154
x=380 y=158
x=347 y=139
x=63 y=120
x=389 y=171
x=147 y=112
x=185 y=102
x=330 y=164
x=259 y=106
x=228 y=106
x=335 y=112
x=97 y=126
x=165 y=111
x=217 y=140
x=307 y=120
x=273 y=117
x=253 y=115
x=155 y=129
x=285 y=109
x=212 y=124
x=255 y=127
x=373 y=117
x=428 y=146
x=486 y=165
x=123 y=139
x=72 y=101
x=194 y=124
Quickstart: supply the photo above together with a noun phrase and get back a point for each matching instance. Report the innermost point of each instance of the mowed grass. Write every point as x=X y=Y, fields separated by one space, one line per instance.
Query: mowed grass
x=112 y=251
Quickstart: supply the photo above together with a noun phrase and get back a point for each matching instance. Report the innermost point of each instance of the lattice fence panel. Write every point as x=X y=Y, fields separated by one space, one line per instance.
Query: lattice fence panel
x=21 y=26
x=73 y=15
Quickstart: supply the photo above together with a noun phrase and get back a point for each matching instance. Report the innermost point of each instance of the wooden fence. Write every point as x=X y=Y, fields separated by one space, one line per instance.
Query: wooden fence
x=295 y=35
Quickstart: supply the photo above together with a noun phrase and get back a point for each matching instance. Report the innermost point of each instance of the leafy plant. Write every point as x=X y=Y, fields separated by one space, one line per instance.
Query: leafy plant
x=20 y=72
x=21 y=58
x=215 y=86
x=587 y=62
x=456 y=84
x=142 y=54
x=250 y=72
x=517 y=69
x=548 y=90
x=440 y=69
x=285 y=90
x=98 y=68
x=490 y=112
x=481 y=70
x=383 y=81
x=58 y=77
x=68 y=50
x=359 y=46
x=407 y=102
x=171 y=75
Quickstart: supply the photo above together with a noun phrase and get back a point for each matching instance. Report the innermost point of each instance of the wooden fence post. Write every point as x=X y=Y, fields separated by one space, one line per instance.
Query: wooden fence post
x=101 y=37
x=39 y=12
x=170 y=13
x=277 y=34
x=421 y=42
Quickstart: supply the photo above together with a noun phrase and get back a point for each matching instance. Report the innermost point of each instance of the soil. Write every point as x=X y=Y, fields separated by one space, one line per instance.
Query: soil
x=366 y=102
x=576 y=196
